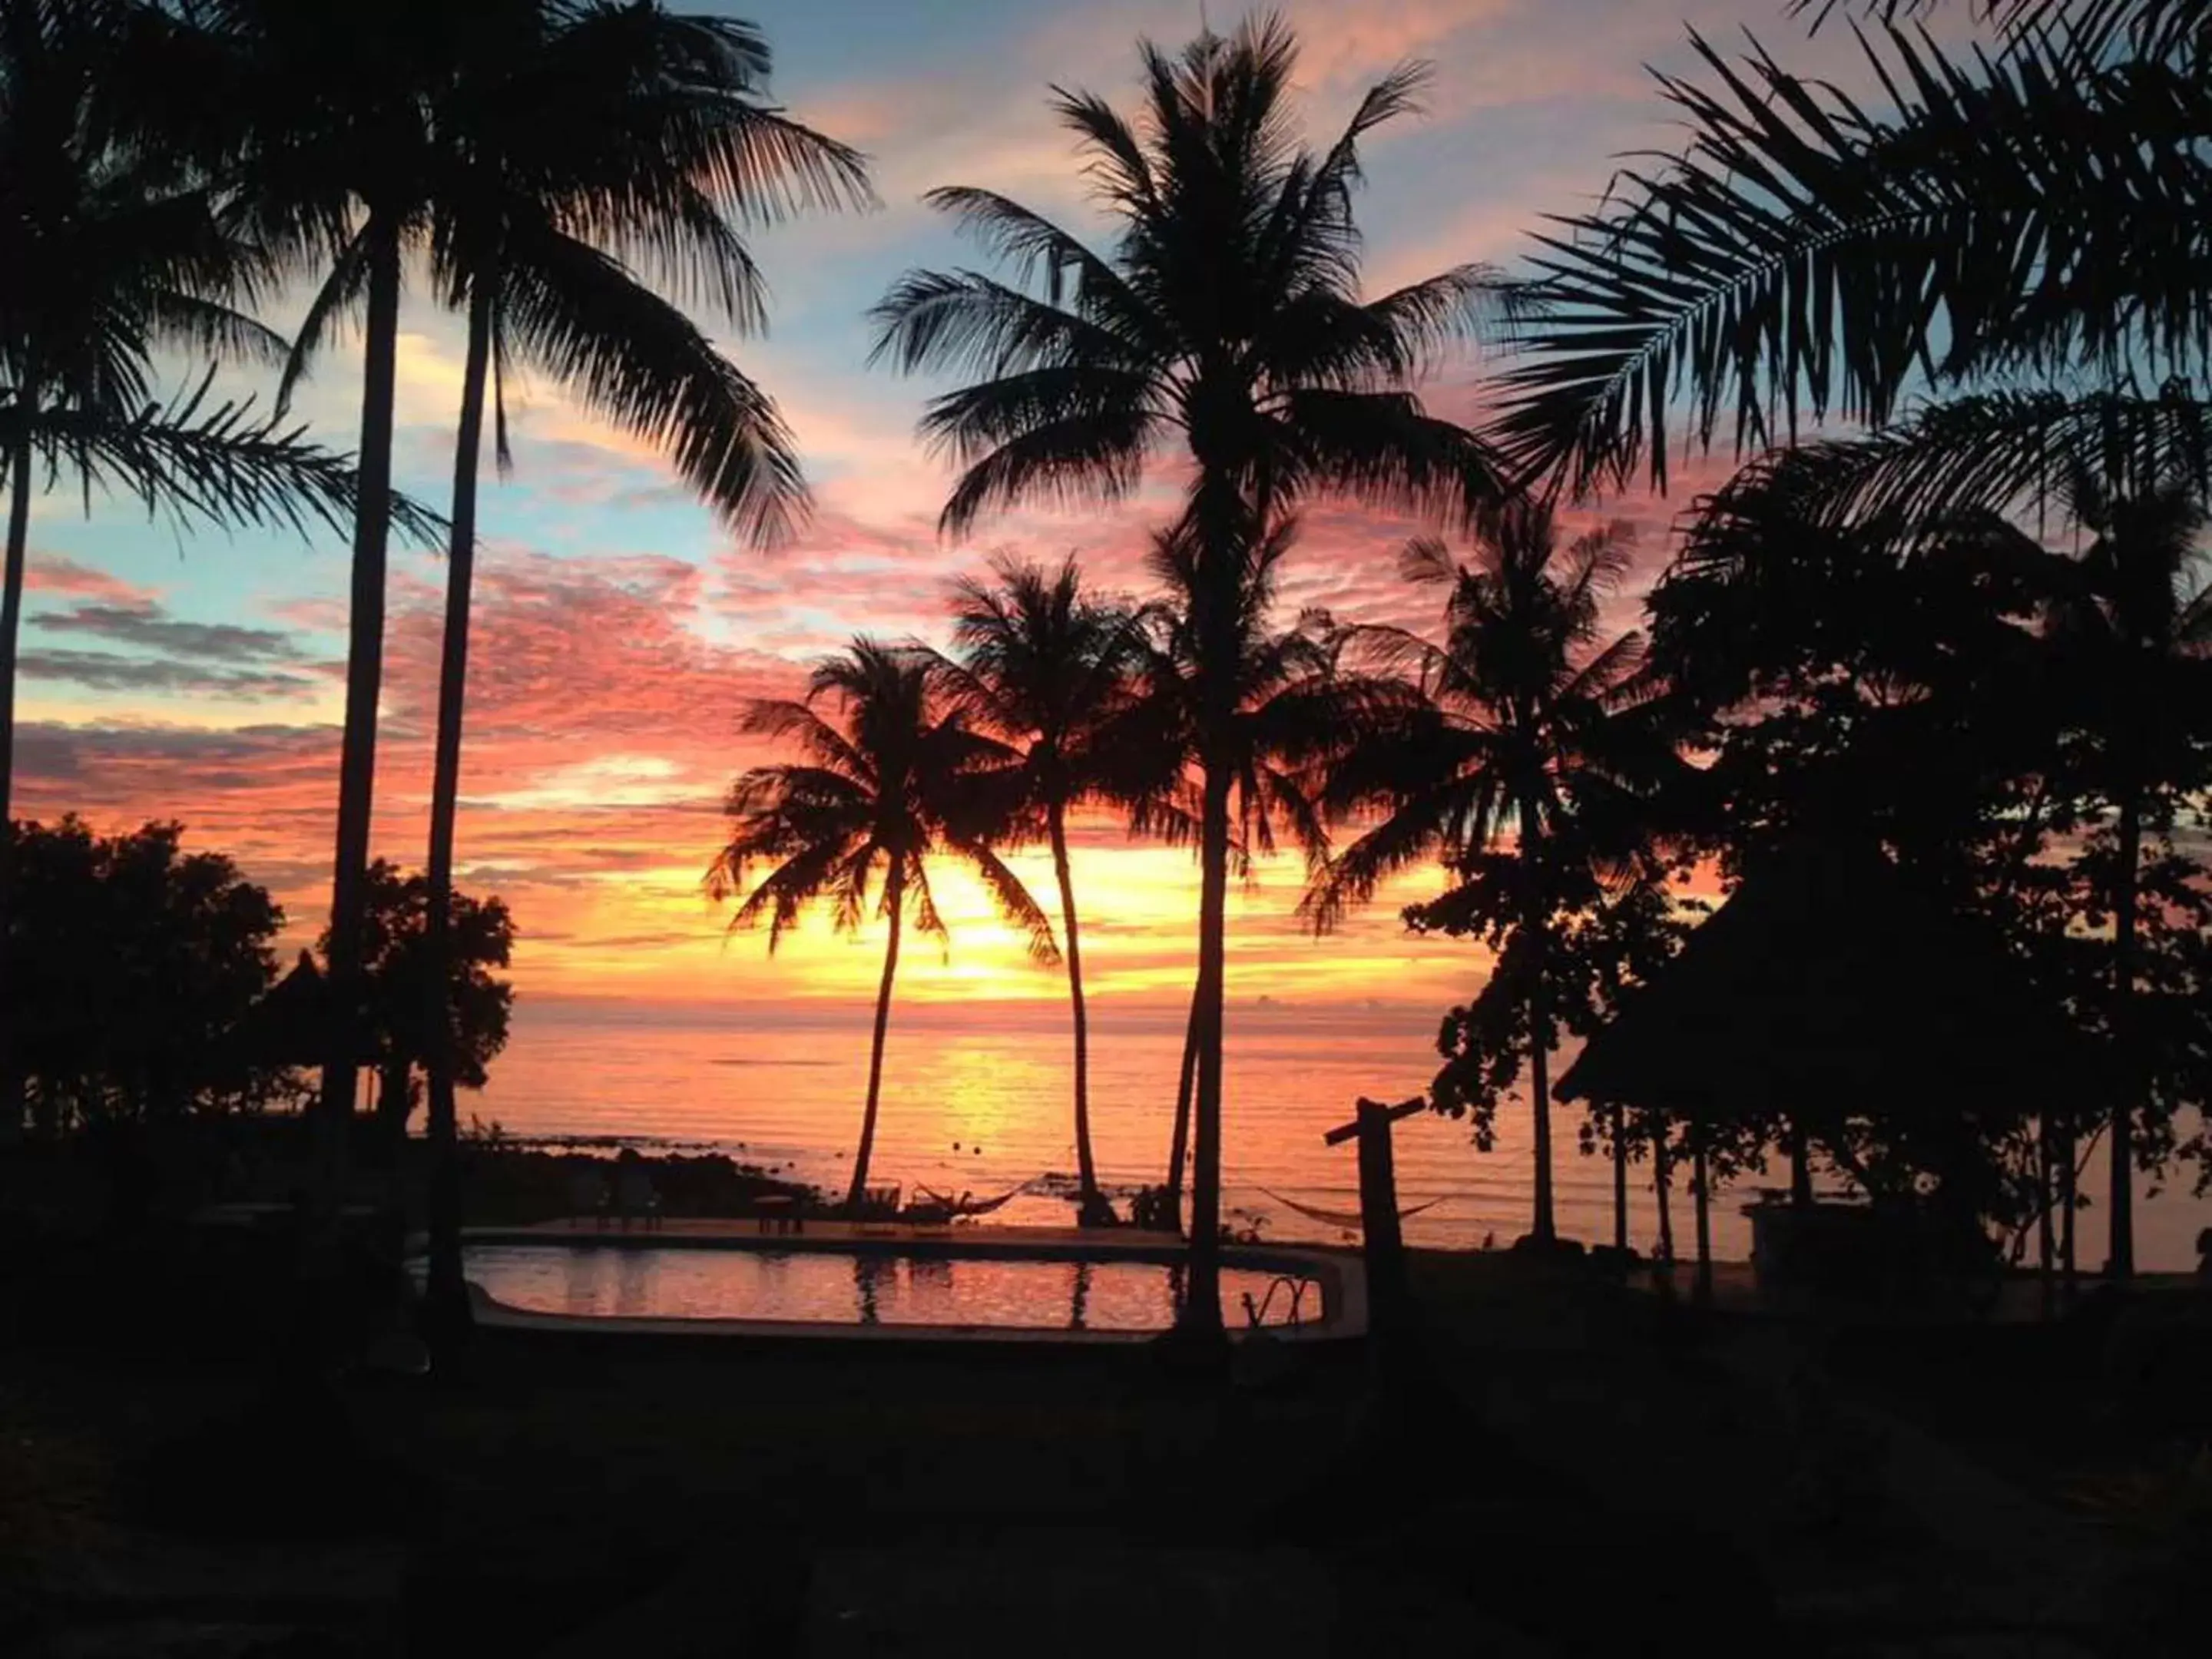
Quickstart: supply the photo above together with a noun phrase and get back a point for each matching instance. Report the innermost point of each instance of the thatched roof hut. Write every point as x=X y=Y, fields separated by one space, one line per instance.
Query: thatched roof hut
x=1828 y=987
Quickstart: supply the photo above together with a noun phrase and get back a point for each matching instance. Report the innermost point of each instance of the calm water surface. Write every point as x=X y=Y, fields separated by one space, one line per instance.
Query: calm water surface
x=976 y=1098
x=603 y=1281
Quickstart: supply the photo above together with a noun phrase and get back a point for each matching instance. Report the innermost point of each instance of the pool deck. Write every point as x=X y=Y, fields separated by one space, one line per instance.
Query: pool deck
x=1344 y=1289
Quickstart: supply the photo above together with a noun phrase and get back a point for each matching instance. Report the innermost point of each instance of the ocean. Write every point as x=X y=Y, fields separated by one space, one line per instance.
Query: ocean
x=976 y=1098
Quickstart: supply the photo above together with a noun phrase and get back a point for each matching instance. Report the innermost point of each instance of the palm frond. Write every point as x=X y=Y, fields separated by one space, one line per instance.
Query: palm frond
x=1465 y=303
x=342 y=288
x=216 y=462
x=1310 y=237
x=1384 y=448
x=213 y=328
x=801 y=723
x=1321 y=337
x=651 y=97
x=1091 y=459
x=1599 y=682
x=784 y=894
x=963 y=322
x=927 y=919
x=1998 y=453
x=636 y=361
x=974 y=421
x=1426 y=559
x=1071 y=276
x=2153 y=28
x=1014 y=902
x=1802 y=251
x=1120 y=170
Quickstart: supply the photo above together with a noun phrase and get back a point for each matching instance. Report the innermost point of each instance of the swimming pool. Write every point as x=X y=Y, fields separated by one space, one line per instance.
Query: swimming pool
x=594 y=1279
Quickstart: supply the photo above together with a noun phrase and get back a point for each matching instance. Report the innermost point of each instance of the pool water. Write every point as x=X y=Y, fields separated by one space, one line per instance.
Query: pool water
x=841 y=1287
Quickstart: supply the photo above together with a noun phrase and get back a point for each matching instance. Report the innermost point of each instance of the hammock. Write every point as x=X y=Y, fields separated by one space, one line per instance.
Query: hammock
x=966 y=1206
x=1348 y=1219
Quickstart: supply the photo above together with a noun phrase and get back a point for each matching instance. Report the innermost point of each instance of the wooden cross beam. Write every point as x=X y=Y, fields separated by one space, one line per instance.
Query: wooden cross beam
x=1389 y=1298
x=1344 y=1132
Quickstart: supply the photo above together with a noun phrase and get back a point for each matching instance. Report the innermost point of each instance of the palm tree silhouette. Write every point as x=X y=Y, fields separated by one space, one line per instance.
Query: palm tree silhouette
x=889 y=784
x=1529 y=719
x=353 y=136
x=2130 y=630
x=111 y=250
x=1226 y=325
x=1047 y=667
x=318 y=120
x=1290 y=714
x=662 y=148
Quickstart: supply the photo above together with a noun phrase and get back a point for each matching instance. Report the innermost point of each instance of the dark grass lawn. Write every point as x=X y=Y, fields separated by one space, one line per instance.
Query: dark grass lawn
x=741 y=1495
x=1579 y=1471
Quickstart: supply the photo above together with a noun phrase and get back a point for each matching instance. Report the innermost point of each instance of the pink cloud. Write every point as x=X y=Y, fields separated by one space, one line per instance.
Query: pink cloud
x=50 y=572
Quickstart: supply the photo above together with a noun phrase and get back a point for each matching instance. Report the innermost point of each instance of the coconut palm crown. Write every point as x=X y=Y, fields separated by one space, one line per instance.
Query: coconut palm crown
x=853 y=824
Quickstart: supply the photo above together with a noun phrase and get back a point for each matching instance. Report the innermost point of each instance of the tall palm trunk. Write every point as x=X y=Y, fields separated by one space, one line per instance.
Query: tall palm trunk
x=11 y=622
x=1700 y=1188
x=1537 y=919
x=1540 y=1101
x=895 y=901
x=1661 y=1190
x=1202 y=1297
x=448 y=1292
x=1086 y=1170
x=1621 y=1179
x=2069 y=1176
x=364 y=684
x=2122 y=1262
x=394 y=1082
x=1179 y=1140
x=2046 y=1174
x=1800 y=1167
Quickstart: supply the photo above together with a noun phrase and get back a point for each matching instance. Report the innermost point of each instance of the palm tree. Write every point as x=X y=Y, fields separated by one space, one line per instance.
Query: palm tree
x=351 y=137
x=881 y=789
x=1047 y=667
x=2131 y=633
x=1289 y=714
x=110 y=252
x=317 y=120
x=662 y=148
x=1225 y=325
x=1530 y=719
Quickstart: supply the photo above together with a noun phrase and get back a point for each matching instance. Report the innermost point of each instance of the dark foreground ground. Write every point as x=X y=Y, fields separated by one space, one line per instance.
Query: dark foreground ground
x=1581 y=1471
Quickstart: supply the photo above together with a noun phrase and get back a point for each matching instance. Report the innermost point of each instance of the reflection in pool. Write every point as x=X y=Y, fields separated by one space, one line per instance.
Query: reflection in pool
x=839 y=1287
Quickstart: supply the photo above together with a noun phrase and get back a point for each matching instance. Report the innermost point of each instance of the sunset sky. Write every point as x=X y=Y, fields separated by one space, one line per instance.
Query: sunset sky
x=619 y=633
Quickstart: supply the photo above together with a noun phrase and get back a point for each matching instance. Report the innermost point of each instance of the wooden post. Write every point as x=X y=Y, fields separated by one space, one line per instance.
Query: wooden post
x=1389 y=1296
x=1699 y=1178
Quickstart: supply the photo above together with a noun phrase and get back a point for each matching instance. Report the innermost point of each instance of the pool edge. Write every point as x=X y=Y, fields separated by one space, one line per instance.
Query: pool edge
x=1343 y=1282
